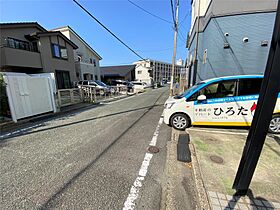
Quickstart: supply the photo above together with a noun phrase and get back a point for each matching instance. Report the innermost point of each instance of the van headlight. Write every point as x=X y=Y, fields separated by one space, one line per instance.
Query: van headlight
x=169 y=105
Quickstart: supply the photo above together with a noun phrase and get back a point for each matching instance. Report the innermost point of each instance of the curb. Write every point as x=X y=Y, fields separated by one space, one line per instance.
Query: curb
x=176 y=194
x=203 y=198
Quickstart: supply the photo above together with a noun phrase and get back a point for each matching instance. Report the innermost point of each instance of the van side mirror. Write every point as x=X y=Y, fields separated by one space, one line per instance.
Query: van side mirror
x=201 y=98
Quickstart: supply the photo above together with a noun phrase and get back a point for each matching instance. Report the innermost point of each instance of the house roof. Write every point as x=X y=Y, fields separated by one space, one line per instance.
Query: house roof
x=43 y=32
x=23 y=25
x=65 y=28
x=117 y=70
x=57 y=33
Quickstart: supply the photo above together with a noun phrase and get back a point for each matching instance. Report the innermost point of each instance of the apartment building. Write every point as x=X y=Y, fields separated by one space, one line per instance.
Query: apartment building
x=150 y=71
x=86 y=58
x=229 y=37
x=29 y=48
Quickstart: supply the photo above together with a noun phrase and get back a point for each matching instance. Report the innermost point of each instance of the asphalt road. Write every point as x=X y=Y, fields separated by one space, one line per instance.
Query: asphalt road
x=87 y=160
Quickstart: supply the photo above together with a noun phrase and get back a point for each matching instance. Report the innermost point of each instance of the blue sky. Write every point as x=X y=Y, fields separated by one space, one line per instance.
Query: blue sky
x=150 y=37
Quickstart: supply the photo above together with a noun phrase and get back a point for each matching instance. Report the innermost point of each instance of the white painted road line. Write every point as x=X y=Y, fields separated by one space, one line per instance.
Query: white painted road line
x=155 y=136
x=135 y=188
x=215 y=131
x=20 y=130
x=118 y=100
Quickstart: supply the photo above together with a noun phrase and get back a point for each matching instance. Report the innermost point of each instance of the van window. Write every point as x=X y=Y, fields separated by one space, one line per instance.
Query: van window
x=217 y=90
x=249 y=86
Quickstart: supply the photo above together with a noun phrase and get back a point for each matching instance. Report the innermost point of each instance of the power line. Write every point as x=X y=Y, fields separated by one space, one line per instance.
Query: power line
x=149 y=12
x=181 y=36
x=188 y=13
x=108 y=30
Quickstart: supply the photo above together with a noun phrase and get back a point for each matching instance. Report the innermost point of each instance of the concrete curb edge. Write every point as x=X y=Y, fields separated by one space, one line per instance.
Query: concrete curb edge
x=200 y=186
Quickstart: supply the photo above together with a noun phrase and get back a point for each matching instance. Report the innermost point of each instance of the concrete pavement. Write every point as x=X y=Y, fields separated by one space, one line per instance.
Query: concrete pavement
x=87 y=160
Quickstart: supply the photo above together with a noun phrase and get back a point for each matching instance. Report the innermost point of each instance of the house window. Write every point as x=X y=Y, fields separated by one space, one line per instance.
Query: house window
x=59 y=51
x=63 y=52
x=63 y=79
x=94 y=62
x=34 y=47
x=79 y=58
x=55 y=50
x=139 y=72
x=22 y=45
x=90 y=60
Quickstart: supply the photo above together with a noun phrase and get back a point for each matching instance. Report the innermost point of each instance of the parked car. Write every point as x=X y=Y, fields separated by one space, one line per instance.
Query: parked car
x=97 y=84
x=112 y=90
x=224 y=101
x=139 y=85
x=123 y=83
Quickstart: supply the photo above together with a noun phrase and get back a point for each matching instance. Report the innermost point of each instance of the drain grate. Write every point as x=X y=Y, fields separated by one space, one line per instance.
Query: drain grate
x=153 y=149
x=217 y=159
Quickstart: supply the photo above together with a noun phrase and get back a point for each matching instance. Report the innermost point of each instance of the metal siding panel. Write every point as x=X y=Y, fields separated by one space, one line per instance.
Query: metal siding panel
x=251 y=56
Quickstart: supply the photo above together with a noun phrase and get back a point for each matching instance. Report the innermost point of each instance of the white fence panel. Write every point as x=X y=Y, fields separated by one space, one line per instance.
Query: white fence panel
x=29 y=95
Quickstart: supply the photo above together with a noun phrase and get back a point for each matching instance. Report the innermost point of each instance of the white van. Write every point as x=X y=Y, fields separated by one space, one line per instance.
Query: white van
x=224 y=101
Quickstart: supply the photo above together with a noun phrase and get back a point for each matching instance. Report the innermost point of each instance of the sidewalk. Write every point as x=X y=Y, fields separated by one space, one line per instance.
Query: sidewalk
x=179 y=189
x=218 y=155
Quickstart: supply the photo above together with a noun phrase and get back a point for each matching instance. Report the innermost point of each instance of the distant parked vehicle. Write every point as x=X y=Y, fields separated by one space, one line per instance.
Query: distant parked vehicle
x=139 y=85
x=112 y=90
x=102 y=87
x=123 y=83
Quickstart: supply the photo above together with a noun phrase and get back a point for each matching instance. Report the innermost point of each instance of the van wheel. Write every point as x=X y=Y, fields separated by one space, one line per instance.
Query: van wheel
x=274 y=126
x=180 y=121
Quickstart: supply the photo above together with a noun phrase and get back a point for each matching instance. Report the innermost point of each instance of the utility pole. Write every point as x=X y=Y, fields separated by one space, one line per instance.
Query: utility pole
x=174 y=48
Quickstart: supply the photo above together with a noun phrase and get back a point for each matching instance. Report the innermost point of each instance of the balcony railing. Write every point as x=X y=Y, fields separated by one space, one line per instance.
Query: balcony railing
x=19 y=44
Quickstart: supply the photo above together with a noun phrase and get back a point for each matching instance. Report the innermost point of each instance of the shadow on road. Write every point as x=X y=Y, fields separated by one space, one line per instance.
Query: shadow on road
x=276 y=138
x=50 y=203
x=77 y=122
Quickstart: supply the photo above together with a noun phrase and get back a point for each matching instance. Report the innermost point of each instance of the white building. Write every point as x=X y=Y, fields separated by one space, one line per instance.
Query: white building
x=155 y=71
x=86 y=59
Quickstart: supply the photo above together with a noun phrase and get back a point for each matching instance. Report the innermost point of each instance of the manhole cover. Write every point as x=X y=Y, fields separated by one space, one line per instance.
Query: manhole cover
x=217 y=159
x=153 y=149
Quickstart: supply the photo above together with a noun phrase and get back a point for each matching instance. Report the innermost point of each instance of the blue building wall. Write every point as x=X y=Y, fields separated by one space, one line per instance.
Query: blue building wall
x=242 y=58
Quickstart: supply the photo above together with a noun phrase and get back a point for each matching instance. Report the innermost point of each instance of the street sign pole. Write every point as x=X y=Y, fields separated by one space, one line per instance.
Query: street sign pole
x=267 y=99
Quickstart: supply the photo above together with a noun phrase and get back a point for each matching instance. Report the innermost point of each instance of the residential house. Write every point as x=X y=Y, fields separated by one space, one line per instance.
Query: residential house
x=229 y=37
x=29 y=48
x=150 y=71
x=124 y=72
x=86 y=58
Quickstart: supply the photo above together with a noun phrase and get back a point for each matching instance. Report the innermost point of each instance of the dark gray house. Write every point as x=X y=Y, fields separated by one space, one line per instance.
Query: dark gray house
x=230 y=37
x=29 y=48
x=125 y=72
